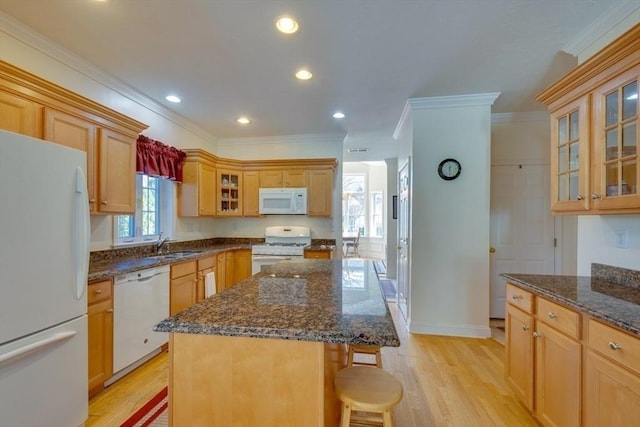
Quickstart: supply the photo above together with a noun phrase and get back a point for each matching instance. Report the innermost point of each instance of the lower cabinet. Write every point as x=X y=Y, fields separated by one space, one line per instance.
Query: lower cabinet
x=182 y=289
x=229 y=265
x=221 y=271
x=205 y=266
x=568 y=369
x=100 y=335
x=318 y=254
x=242 y=264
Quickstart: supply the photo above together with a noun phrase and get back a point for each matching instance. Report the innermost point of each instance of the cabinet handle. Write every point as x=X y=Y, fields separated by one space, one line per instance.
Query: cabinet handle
x=98 y=291
x=104 y=202
x=516 y=297
x=552 y=315
x=92 y=200
x=525 y=328
x=614 y=346
x=580 y=197
x=595 y=196
x=110 y=310
x=537 y=334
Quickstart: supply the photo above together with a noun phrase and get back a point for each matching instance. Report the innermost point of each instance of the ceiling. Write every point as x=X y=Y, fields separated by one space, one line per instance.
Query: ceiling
x=224 y=58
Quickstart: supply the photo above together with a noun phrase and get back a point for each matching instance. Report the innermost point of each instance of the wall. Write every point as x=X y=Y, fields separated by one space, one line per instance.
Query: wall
x=450 y=219
x=392 y=224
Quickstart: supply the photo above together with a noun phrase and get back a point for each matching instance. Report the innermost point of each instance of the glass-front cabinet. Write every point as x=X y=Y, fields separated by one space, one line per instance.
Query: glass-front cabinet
x=570 y=159
x=616 y=144
x=229 y=197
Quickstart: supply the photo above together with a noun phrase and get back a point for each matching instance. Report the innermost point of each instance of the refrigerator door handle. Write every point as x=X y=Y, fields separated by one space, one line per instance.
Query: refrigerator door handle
x=16 y=354
x=81 y=232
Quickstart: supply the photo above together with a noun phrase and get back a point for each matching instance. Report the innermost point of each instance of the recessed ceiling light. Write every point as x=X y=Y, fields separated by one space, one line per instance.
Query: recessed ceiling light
x=338 y=115
x=173 y=98
x=243 y=120
x=357 y=150
x=286 y=24
x=304 y=74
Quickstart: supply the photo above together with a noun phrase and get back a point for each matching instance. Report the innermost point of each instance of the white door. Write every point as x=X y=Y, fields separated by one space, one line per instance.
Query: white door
x=404 y=234
x=522 y=228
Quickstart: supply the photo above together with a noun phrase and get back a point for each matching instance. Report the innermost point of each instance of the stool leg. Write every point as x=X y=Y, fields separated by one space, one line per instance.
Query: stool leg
x=350 y=357
x=346 y=415
x=379 y=359
x=386 y=419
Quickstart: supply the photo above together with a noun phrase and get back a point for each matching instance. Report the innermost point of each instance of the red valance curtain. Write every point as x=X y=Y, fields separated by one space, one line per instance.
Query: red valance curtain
x=157 y=159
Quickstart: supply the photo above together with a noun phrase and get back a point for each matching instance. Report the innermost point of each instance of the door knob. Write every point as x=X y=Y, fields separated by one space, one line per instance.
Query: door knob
x=492 y=250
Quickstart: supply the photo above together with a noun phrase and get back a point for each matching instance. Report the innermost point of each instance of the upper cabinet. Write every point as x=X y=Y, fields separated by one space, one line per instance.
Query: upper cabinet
x=283 y=178
x=594 y=132
x=229 y=192
x=32 y=106
x=197 y=192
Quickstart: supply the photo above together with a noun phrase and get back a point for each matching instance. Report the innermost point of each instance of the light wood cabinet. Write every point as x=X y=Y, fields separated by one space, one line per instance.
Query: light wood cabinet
x=205 y=266
x=100 y=334
x=20 y=115
x=283 y=178
x=229 y=266
x=318 y=254
x=196 y=193
x=228 y=193
x=183 y=286
x=242 y=264
x=221 y=271
x=543 y=362
x=595 y=142
x=319 y=192
x=251 y=193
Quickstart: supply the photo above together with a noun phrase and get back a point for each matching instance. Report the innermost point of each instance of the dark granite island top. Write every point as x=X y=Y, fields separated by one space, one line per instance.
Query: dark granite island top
x=612 y=303
x=331 y=301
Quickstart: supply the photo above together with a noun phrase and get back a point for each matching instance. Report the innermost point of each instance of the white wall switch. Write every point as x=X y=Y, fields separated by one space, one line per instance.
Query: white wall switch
x=622 y=239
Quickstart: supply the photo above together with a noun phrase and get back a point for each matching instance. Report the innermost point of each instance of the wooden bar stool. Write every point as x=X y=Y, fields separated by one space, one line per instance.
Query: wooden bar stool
x=367 y=389
x=364 y=349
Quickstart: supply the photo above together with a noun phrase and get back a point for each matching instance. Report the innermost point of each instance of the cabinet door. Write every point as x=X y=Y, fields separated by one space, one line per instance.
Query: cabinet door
x=182 y=293
x=250 y=193
x=317 y=254
x=242 y=264
x=100 y=334
x=20 y=115
x=519 y=354
x=206 y=190
x=616 y=178
x=558 y=378
x=229 y=193
x=221 y=271
x=612 y=394
x=570 y=157
x=295 y=178
x=117 y=173
x=320 y=192
x=75 y=132
x=271 y=179
x=229 y=267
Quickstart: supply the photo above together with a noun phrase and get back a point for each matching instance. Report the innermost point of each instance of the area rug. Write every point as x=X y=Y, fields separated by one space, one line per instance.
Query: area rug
x=152 y=414
x=388 y=289
x=380 y=267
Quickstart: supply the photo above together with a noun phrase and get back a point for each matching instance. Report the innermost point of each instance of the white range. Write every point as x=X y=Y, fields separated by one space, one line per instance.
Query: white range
x=281 y=242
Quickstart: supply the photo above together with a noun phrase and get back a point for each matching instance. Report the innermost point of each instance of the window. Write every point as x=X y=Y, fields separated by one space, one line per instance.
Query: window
x=377 y=218
x=354 y=204
x=145 y=224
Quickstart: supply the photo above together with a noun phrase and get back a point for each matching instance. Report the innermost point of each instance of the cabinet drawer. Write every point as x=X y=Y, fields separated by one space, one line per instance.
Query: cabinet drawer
x=563 y=319
x=209 y=262
x=617 y=345
x=99 y=291
x=182 y=269
x=520 y=298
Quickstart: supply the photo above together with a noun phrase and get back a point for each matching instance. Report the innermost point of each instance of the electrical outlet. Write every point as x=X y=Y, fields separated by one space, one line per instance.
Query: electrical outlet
x=622 y=239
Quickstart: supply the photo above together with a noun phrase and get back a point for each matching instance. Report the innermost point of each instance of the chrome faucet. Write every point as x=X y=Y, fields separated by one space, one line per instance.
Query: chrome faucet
x=160 y=243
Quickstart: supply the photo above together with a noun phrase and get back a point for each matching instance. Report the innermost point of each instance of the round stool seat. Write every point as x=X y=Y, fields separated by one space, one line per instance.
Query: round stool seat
x=368 y=389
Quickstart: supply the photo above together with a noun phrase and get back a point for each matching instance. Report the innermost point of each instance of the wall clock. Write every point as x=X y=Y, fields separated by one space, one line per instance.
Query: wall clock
x=449 y=169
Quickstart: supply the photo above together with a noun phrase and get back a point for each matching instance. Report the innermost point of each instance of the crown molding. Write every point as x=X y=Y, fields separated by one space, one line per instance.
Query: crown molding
x=473 y=100
x=336 y=138
x=403 y=117
x=530 y=116
x=601 y=26
x=37 y=41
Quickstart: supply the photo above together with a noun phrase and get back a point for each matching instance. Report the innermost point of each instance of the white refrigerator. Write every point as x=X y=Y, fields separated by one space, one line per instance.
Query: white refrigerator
x=44 y=258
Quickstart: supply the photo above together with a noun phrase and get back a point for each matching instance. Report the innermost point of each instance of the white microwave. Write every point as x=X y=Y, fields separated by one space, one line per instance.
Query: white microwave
x=283 y=201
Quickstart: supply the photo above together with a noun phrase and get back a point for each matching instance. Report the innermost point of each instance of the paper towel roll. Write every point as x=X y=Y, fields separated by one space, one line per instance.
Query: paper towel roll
x=209 y=284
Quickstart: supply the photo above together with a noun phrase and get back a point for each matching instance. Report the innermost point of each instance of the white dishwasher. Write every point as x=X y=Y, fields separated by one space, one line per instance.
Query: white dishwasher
x=141 y=300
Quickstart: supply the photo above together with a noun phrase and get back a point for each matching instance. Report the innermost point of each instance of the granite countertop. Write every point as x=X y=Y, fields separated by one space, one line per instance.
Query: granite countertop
x=608 y=301
x=335 y=301
x=109 y=268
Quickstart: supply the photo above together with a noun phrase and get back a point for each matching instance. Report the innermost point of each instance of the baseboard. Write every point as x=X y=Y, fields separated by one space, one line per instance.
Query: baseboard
x=469 y=331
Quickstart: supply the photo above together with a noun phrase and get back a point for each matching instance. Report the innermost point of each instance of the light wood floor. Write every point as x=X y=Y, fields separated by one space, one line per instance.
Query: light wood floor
x=447 y=382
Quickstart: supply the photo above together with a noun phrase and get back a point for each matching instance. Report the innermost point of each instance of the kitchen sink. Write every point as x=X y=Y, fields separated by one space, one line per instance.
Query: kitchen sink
x=173 y=255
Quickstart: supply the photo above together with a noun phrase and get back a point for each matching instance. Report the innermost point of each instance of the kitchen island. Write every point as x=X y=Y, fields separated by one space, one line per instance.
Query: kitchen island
x=264 y=352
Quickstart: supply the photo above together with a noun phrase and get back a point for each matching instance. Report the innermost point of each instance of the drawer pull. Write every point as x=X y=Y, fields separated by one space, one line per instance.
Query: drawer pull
x=516 y=297
x=98 y=291
x=525 y=328
x=537 y=335
x=614 y=346
x=110 y=310
x=552 y=315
